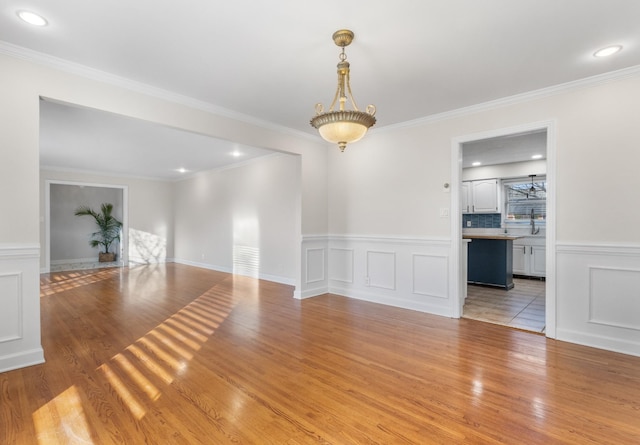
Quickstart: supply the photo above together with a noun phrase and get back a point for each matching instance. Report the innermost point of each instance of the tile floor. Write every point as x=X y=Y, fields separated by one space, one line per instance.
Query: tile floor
x=521 y=307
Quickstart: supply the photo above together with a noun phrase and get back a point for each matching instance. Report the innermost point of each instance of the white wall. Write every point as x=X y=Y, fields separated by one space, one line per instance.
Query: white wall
x=244 y=220
x=22 y=83
x=149 y=223
x=388 y=191
x=381 y=200
x=70 y=234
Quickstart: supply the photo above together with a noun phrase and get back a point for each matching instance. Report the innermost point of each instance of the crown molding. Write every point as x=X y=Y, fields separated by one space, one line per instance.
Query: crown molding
x=77 y=69
x=103 y=173
x=517 y=98
x=139 y=87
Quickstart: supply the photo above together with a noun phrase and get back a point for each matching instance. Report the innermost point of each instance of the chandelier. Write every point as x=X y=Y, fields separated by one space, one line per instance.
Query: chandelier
x=343 y=126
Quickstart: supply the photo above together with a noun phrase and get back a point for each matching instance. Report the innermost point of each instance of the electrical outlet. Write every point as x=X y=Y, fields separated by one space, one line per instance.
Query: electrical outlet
x=366 y=281
x=444 y=212
x=468 y=223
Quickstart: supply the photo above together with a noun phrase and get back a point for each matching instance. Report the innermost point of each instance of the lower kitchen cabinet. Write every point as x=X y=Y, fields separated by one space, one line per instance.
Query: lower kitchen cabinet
x=489 y=261
x=529 y=257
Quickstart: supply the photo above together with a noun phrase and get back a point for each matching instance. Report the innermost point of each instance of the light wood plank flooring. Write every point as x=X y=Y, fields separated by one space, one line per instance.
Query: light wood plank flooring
x=180 y=355
x=522 y=307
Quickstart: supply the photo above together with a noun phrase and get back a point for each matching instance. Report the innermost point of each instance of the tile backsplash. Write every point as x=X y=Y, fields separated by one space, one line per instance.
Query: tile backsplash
x=482 y=220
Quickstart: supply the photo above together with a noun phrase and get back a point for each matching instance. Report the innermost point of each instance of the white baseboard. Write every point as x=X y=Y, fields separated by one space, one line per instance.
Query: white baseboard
x=595 y=341
x=392 y=301
x=21 y=359
x=93 y=259
x=261 y=276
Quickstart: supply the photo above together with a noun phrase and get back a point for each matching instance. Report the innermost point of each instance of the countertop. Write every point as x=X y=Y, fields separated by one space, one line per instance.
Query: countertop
x=487 y=236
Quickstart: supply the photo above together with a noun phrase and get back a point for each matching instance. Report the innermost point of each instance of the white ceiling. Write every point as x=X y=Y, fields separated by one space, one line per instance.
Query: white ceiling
x=272 y=61
x=78 y=138
x=505 y=149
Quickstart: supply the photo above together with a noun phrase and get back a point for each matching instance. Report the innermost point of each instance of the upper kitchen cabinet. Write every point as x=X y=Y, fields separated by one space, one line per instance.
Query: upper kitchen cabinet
x=481 y=196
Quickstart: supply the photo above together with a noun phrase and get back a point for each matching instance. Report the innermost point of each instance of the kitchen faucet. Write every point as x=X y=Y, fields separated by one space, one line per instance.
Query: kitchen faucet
x=534 y=231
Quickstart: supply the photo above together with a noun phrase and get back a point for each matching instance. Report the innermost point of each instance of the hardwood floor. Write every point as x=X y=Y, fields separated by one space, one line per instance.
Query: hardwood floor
x=180 y=355
x=522 y=307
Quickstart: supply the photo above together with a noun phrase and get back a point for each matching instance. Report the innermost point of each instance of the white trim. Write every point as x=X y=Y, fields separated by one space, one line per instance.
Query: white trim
x=413 y=284
x=314 y=237
x=607 y=343
x=229 y=270
x=392 y=239
x=139 y=87
x=590 y=248
x=324 y=265
x=352 y=255
x=517 y=98
x=456 y=214
x=381 y=298
x=19 y=279
x=74 y=261
x=21 y=359
x=20 y=251
x=592 y=318
x=102 y=173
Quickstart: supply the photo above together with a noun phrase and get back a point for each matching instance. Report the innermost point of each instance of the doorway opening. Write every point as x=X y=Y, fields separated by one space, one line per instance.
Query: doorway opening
x=67 y=236
x=505 y=215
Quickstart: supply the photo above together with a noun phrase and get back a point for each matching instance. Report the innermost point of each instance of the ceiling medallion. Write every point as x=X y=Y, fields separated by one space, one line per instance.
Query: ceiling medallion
x=343 y=126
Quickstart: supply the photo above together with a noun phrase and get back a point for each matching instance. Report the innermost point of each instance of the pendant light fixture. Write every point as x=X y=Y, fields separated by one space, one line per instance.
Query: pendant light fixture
x=532 y=189
x=342 y=126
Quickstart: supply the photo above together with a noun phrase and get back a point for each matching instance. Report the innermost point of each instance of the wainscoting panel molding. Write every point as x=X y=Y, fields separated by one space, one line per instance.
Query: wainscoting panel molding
x=598 y=296
x=412 y=273
x=19 y=306
x=315 y=265
x=428 y=271
x=341 y=265
x=381 y=270
x=618 y=309
x=11 y=304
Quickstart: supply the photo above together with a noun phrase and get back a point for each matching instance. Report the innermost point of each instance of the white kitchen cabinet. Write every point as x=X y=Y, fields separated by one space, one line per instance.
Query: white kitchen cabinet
x=529 y=257
x=465 y=196
x=519 y=255
x=538 y=262
x=482 y=196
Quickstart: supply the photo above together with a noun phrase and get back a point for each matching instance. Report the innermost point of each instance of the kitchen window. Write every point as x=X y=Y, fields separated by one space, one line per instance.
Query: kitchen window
x=525 y=200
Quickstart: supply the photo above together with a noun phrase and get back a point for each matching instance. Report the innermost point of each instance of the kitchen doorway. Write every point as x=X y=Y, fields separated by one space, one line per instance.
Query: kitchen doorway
x=506 y=156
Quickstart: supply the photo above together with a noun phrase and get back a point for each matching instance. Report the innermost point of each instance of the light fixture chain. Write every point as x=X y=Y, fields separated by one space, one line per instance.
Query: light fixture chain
x=353 y=101
x=342 y=126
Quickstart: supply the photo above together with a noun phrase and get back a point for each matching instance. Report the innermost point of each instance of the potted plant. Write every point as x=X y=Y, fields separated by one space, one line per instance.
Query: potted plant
x=108 y=230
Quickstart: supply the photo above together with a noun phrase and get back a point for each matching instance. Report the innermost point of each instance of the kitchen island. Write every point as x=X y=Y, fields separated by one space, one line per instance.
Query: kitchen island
x=490 y=260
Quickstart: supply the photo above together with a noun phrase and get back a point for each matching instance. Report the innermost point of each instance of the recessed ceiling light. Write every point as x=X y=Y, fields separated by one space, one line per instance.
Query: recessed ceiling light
x=32 y=18
x=476 y=164
x=182 y=170
x=608 y=51
x=236 y=153
x=536 y=157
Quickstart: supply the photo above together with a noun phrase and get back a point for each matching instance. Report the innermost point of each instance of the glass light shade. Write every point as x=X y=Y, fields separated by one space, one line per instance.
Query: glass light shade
x=343 y=127
x=342 y=132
